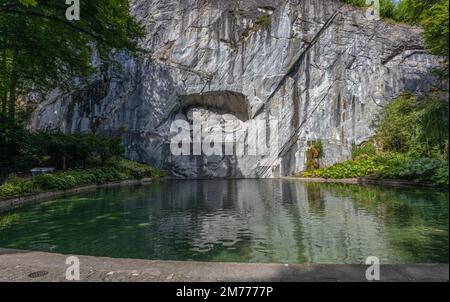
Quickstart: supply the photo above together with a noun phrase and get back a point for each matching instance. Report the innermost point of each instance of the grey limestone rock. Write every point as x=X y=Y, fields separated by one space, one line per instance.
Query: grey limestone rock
x=319 y=68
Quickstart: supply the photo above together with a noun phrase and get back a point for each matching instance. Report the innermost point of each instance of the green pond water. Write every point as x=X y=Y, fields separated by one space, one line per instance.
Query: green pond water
x=276 y=221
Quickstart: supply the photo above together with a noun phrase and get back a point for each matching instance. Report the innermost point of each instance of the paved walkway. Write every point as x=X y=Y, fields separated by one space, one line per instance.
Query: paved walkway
x=18 y=265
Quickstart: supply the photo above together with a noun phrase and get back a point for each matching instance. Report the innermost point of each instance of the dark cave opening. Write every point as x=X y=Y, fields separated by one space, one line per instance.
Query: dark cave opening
x=222 y=102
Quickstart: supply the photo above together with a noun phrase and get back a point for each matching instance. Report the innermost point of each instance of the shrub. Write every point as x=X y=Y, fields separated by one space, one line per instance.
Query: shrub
x=263 y=21
x=367 y=148
x=387 y=9
x=387 y=165
x=349 y=169
x=422 y=169
x=313 y=154
x=9 y=189
x=440 y=175
x=260 y=21
x=416 y=127
x=14 y=145
x=21 y=150
x=135 y=169
x=437 y=32
x=359 y=3
x=67 y=151
x=115 y=170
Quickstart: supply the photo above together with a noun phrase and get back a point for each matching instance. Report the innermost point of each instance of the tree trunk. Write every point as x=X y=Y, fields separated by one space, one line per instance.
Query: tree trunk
x=4 y=99
x=64 y=161
x=13 y=87
x=4 y=92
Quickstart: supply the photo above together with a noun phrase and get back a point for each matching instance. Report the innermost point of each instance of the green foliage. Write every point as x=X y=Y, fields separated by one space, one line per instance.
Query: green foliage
x=414 y=11
x=42 y=50
x=21 y=150
x=358 y=3
x=367 y=148
x=440 y=175
x=408 y=11
x=135 y=169
x=360 y=167
x=313 y=154
x=436 y=32
x=114 y=170
x=433 y=15
x=16 y=186
x=387 y=9
x=416 y=127
x=71 y=179
x=414 y=138
x=425 y=169
x=398 y=129
x=260 y=21
x=318 y=145
x=28 y=3
x=13 y=138
x=75 y=150
x=387 y=165
x=263 y=20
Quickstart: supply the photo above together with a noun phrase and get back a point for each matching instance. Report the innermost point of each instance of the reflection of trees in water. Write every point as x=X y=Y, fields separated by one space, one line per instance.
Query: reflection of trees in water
x=245 y=217
x=329 y=229
x=412 y=222
x=239 y=220
x=315 y=200
x=289 y=198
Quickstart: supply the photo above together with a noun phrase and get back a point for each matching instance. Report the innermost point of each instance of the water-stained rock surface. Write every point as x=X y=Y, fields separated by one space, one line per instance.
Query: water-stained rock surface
x=321 y=69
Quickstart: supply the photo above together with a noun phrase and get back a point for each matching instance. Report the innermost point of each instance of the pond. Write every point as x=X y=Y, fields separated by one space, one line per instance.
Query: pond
x=266 y=221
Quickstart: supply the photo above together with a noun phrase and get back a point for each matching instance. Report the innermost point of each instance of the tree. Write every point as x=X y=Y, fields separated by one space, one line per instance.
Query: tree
x=42 y=50
x=436 y=34
x=414 y=11
x=4 y=84
x=415 y=126
x=432 y=15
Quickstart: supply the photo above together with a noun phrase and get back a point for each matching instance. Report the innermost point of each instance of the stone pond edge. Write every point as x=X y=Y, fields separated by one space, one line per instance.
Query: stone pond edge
x=371 y=181
x=11 y=203
x=17 y=266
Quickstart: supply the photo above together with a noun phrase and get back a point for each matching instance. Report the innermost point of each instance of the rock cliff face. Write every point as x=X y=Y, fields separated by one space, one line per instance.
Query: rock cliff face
x=320 y=69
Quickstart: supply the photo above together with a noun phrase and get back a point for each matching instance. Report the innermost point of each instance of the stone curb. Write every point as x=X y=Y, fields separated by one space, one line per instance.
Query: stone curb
x=11 y=203
x=371 y=181
x=17 y=266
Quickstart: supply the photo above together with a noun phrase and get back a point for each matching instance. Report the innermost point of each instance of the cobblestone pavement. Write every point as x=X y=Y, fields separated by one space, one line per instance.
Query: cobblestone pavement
x=18 y=265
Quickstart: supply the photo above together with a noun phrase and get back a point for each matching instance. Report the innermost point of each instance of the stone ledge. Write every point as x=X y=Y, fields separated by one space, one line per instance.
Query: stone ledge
x=11 y=203
x=17 y=265
x=371 y=181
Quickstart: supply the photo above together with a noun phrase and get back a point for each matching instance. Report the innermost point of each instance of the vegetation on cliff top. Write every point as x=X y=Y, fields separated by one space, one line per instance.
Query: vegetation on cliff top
x=433 y=15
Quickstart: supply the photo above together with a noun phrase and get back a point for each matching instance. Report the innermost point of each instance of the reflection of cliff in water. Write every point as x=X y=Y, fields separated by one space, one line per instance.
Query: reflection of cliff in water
x=240 y=220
